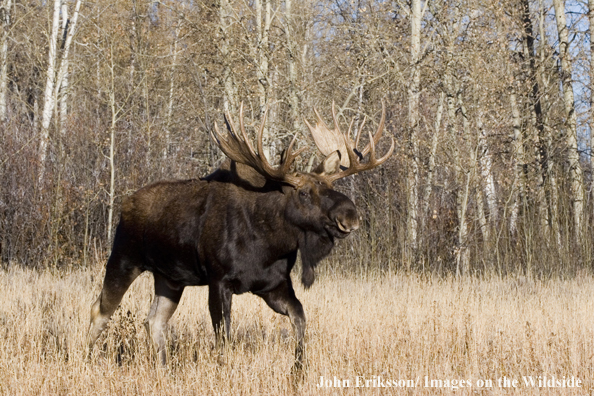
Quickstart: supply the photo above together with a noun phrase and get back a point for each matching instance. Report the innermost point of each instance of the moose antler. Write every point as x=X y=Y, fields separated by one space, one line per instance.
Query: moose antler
x=238 y=147
x=329 y=140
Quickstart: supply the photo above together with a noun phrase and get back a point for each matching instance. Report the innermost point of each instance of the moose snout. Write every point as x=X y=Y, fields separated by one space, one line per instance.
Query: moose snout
x=346 y=219
x=347 y=225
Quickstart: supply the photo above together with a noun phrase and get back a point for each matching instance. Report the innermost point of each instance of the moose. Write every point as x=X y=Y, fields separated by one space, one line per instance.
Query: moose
x=235 y=231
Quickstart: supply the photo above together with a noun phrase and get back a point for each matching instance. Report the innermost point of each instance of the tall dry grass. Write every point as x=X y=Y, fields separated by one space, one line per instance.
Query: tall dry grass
x=395 y=326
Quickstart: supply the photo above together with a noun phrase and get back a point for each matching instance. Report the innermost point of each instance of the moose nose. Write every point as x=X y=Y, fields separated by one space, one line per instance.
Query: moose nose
x=347 y=225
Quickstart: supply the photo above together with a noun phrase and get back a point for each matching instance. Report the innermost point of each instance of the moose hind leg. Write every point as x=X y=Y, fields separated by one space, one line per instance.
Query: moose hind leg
x=119 y=275
x=283 y=301
x=167 y=296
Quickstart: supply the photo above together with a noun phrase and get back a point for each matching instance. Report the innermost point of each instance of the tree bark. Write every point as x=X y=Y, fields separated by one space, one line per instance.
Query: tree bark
x=262 y=48
x=591 y=30
x=5 y=9
x=412 y=184
x=487 y=173
x=230 y=89
x=48 y=100
x=518 y=163
x=432 y=155
x=575 y=171
x=171 y=95
x=295 y=99
x=55 y=79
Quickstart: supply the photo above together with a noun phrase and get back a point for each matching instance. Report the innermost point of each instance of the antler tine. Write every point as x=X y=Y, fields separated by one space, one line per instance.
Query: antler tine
x=237 y=146
x=245 y=141
x=378 y=134
x=291 y=156
x=355 y=165
x=359 y=132
x=259 y=137
x=334 y=118
x=329 y=141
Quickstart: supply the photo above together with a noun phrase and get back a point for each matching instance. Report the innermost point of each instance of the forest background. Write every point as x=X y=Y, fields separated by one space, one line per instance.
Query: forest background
x=489 y=103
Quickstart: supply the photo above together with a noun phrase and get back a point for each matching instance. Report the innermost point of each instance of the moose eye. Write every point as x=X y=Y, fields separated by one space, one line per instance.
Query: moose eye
x=304 y=194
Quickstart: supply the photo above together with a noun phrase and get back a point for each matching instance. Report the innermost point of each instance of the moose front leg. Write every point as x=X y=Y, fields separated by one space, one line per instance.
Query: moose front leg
x=167 y=296
x=219 y=304
x=283 y=301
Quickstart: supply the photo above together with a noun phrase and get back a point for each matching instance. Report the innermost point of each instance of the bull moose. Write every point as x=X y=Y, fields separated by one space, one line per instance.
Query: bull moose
x=235 y=231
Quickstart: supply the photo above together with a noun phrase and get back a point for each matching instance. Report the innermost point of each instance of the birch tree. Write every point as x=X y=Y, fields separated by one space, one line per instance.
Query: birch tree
x=591 y=31
x=229 y=85
x=412 y=184
x=293 y=56
x=5 y=8
x=517 y=161
x=174 y=50
x=54 y=78
x=48 y=101
x=575 y=171
x=261 y=54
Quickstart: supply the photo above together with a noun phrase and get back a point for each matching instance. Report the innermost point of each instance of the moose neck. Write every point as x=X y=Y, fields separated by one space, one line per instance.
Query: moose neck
x=267 y=217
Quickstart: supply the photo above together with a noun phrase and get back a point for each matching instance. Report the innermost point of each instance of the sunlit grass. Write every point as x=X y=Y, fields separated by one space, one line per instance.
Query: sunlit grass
x=397 y=327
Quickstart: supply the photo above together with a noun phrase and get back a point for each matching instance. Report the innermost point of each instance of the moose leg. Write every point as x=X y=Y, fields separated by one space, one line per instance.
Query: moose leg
x=167 y=296
x=283 y=301
x=219 y=304
x=119 y=275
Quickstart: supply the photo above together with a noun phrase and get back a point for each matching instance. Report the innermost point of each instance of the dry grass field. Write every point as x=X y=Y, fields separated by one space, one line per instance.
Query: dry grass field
x=396 y=329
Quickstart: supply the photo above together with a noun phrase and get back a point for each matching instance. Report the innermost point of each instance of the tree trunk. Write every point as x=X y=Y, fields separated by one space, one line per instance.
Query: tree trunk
x=5 y=8
x=591 y=30
x=48 y=100
x=432 y=154
x=171 y=96
x=55 y=79
x=294 y=97
x=412 y=182
x=111 y=158
x=262 y=49
x=518 y=163
x=462 y=177
x=473 y=182
x=230 y=89
x=487 y=173
x=575 y=171
x=64 y=85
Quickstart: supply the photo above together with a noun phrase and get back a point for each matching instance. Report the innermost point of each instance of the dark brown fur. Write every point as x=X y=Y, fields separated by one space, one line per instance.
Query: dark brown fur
x=234 y=231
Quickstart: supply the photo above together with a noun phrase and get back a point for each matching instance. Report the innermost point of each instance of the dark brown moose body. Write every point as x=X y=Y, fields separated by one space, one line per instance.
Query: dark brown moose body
x=237 y=230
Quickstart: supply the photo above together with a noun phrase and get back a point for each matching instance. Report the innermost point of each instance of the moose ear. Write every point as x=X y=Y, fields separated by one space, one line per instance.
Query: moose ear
x=330 y=164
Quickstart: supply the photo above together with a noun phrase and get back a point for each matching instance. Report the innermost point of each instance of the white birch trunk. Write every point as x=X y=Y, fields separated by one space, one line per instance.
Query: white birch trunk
x=294 y=98
x=549 y=177
x=472 y=171
x=171 y=96
x=518 y=163
x=48 y=99
x=462 y=178
x=263 y=21
x=432 y=154
x=413 y=122
x=111 y=158
x=573 y=158
x=55 y=79
x=591 y=30
x=487 y=174
x=5 y=8
x=64 y=85
x=230 y=89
